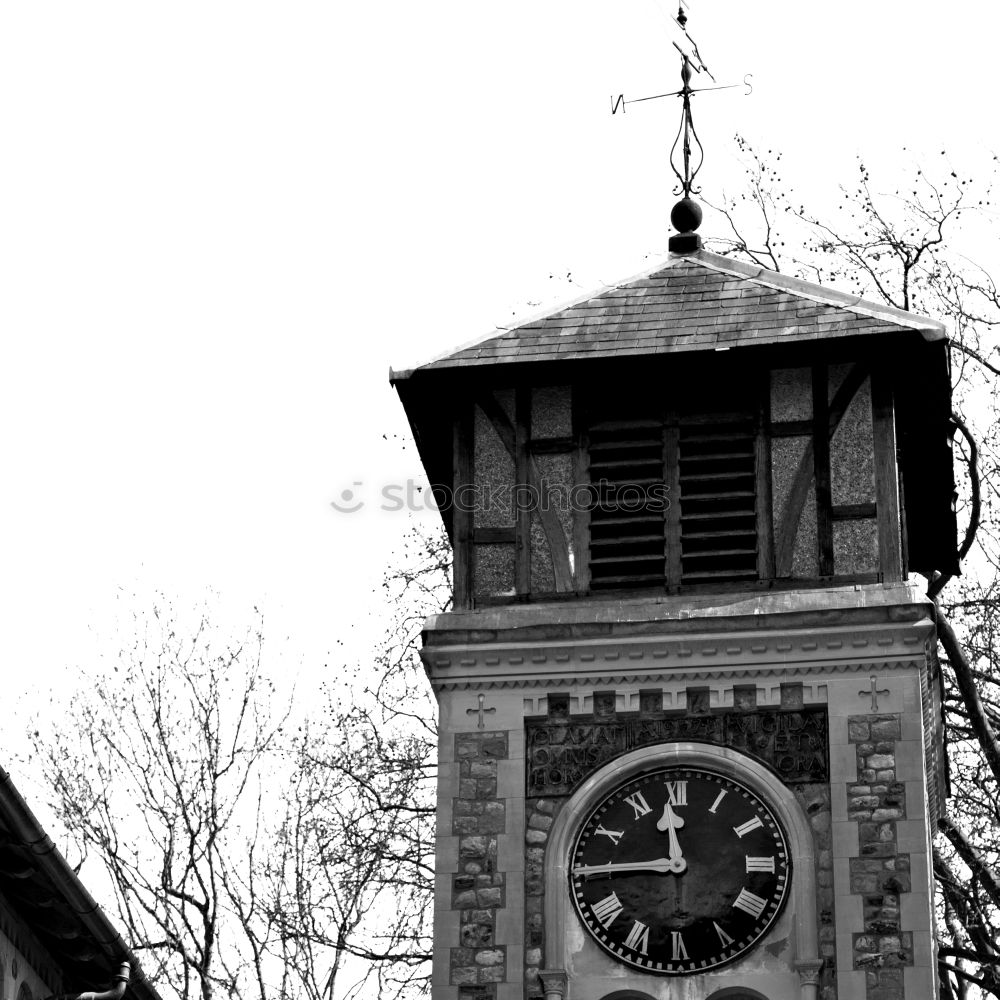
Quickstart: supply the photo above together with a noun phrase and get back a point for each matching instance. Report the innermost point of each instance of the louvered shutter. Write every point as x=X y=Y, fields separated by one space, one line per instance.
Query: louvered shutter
x=627 y=526
x=714 y=498
x=718 y=501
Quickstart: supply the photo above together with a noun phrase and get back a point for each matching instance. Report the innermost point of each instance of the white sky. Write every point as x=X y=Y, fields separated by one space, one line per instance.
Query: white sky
x=221 y=222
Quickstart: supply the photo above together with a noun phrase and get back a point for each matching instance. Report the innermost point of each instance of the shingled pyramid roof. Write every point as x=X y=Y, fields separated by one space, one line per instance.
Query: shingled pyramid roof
x=695 y=302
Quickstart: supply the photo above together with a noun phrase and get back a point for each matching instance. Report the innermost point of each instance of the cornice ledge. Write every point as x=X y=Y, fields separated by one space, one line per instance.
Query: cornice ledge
x=746 y=652
x=893 y=601
x=599 y=680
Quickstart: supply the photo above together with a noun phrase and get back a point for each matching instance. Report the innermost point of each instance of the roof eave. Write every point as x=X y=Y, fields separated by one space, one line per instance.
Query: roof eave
x=18 y=815
x=535 y=317
x=930 y=329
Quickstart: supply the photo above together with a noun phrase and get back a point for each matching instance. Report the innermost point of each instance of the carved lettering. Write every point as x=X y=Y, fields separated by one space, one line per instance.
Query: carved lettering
x=561 y=753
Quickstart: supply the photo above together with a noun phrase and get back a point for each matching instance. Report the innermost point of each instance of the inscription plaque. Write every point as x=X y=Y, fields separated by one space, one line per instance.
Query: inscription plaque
x=563 y=752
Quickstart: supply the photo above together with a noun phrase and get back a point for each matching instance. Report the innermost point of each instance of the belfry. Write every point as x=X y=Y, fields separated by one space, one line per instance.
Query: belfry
x=689 y=693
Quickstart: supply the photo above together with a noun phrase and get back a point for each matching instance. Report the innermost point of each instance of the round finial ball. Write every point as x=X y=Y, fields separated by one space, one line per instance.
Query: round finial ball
x=686 y=215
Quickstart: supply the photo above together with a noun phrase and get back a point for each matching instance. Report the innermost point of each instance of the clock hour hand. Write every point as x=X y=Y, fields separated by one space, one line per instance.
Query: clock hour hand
x=670 y=822
x=660 y=865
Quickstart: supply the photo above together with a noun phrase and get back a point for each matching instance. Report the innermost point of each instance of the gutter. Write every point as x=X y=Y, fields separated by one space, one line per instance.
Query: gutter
x=116 y=992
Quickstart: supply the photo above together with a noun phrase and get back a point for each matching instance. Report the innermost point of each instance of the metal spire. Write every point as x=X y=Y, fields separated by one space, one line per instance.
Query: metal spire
x=686 y=215
x=692 y=156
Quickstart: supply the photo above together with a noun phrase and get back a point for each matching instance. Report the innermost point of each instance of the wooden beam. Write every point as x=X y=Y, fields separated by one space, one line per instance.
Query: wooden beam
x=821 y=468
x=791 y=428
x=522 y=516
x=853 y=511
x=494 y=536
x=886 y=482
x=672 y=515
x=762 y=468
x=464 y=465
x=581 y=483
x=551 y=446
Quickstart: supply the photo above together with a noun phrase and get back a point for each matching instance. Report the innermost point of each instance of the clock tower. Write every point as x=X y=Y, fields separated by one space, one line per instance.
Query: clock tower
x=689 y=693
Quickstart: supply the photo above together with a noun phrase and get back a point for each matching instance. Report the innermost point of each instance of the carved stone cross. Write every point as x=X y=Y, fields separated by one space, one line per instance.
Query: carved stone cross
x=874 y=691
x=481 y=711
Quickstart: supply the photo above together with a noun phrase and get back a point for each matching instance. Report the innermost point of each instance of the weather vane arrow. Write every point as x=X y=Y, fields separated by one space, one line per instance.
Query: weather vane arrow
x=618 y=102
x=687 y=146
x=688 y=50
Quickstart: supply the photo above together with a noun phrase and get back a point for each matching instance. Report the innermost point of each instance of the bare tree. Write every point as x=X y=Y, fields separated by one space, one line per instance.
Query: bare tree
x=246 y=856
x=160 y=777
x=356 y=858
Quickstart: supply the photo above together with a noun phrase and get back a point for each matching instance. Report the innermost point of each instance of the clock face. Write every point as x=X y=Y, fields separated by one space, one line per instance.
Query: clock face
x=679 y=870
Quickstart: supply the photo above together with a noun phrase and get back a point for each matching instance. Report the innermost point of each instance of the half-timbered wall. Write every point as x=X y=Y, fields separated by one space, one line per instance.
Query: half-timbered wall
x=786 y=474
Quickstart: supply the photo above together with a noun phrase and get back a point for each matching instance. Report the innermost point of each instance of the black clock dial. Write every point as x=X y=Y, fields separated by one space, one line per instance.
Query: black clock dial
x=679 y=870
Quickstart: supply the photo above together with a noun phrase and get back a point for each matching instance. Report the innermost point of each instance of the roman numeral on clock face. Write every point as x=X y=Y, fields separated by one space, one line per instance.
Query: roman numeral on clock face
x=751 y=824
x=638 y=938
x=718 y=801
x=677 y=793
x=638 y=803
x=760 y=864
x=750 y=903
x=724 y=939
x=607 y=909
x=678 y=952
x=613 y=835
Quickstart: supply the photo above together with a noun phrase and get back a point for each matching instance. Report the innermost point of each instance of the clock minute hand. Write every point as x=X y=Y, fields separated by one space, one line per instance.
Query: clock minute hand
x=660 y=865
x=670 y=822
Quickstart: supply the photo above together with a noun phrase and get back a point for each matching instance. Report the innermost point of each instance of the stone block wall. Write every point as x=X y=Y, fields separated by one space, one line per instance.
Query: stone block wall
x=478 y=890
x=881 y=872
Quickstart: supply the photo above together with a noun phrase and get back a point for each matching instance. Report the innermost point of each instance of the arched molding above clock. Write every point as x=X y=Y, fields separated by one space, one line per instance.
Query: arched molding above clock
x=627 y=995
x=736 y=993
x=559 y=912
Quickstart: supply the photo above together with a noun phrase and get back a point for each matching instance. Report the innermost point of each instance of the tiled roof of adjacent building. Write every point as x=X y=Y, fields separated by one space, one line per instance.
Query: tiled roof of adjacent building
x=695 y=302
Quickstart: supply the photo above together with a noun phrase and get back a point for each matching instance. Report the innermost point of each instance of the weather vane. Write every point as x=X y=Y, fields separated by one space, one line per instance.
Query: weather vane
x=687 y=153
